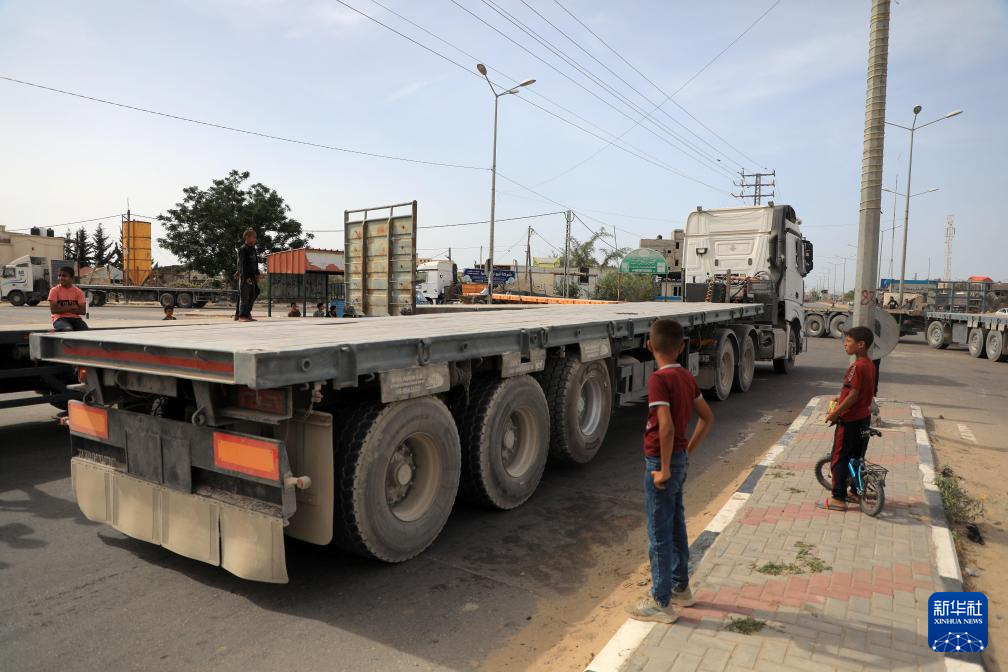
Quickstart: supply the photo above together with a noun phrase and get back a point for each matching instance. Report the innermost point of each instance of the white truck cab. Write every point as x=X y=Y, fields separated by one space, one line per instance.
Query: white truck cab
x=25 y=281
x=754 y=254
x=435 y=280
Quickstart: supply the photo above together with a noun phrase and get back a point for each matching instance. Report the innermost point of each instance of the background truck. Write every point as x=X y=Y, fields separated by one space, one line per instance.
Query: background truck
x=215 y=441
x=26 y=281
x=984 y=334
x=941 y=296
x=437 y=281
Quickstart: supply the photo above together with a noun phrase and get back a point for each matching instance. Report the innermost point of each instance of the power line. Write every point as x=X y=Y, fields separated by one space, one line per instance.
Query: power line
x=714 y=161
x=81 y=221
x=535 y=36
x=658 y=88
x=668 y=97
x=637 y=152
x=447 y=226
x=525 y=100
x=235 y=129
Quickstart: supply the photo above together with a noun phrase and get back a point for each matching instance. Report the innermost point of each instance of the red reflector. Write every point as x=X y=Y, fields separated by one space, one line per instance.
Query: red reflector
x=88 y=420
x=245 y=455
x=268 y=401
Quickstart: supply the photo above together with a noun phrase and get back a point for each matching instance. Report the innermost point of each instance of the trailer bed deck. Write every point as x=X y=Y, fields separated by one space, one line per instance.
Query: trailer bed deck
x=263 y=355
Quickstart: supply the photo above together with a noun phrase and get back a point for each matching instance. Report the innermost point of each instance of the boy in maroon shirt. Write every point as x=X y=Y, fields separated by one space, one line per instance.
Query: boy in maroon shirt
x=673 y=396
x=851 y=414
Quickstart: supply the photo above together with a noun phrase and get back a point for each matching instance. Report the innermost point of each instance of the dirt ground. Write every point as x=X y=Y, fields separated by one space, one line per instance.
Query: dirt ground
x=981 y=469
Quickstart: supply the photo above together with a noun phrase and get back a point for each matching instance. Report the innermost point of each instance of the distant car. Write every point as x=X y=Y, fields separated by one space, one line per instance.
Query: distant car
x=1001 y=311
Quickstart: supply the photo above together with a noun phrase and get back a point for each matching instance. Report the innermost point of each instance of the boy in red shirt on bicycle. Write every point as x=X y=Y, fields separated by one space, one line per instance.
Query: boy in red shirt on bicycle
x=673 y=396
x=851 y=414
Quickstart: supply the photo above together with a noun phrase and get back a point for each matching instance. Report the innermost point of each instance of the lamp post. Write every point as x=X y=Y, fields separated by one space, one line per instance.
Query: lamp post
x=913 y=128
x=892 y=229
x=482 y=69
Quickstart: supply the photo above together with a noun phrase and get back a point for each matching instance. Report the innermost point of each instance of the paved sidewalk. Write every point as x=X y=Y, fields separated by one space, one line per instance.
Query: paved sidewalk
x=852 y=590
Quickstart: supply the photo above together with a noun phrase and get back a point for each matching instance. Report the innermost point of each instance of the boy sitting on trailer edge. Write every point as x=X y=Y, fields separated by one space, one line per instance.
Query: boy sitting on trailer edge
x=851 y=413
x=673 y=396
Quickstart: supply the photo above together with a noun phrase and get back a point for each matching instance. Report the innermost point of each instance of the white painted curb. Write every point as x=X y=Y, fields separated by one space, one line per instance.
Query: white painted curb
x=630 y=635
x=946 y=559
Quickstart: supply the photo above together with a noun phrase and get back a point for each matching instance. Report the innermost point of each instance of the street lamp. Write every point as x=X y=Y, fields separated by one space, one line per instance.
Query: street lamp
x=843 y=282
x=913 y=128
x=482 y=69
x=892 y=229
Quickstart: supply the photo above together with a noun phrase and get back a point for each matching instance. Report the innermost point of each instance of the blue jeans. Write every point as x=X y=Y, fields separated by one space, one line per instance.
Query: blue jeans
x=668 y=547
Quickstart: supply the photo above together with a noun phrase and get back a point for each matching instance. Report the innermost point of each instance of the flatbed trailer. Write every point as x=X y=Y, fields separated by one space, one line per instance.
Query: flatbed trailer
x=216 y=441
x=823 y=320
x=182 y=297
x=54 y=382
x=984 y=334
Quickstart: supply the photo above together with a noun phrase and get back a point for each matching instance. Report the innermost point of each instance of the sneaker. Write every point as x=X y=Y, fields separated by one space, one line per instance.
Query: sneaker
x=649 y=610
x=683 y=598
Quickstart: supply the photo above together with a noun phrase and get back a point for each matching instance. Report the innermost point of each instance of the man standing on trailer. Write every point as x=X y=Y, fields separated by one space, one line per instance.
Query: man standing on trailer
x=248 y=276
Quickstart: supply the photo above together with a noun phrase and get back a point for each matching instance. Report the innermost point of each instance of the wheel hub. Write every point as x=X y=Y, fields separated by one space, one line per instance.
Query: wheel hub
x=399 y=476
x=509 y=442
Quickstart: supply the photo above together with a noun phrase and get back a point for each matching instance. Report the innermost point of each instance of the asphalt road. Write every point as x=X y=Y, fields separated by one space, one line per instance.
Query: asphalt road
x=497 y=590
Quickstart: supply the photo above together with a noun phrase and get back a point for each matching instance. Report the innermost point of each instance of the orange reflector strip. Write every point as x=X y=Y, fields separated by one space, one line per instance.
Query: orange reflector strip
x=88 y=420
x=247 y=456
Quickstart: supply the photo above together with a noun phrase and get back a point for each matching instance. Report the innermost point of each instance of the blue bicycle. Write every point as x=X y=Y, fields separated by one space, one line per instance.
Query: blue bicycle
x=867 y=479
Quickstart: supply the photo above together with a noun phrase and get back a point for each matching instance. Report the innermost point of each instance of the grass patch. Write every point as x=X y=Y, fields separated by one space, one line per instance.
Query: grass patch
x=960 y=507
x=745 y=626
x=804 y=563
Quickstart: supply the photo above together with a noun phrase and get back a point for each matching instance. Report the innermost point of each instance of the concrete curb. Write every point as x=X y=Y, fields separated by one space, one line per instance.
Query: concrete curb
x=946 y=558
x=630 y=635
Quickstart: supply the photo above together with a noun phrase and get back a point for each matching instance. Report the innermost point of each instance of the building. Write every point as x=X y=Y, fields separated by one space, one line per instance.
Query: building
x=671 y=249
x=38 y=243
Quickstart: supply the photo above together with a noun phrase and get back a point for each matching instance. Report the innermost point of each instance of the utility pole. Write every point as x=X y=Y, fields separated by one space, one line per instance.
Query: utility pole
x=871 y=166
x=757 y=185
x=949 y=234
x=569 y=216
x=528 y=259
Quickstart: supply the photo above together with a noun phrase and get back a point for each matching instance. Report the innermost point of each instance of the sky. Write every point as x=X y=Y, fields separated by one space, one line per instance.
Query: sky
x=787 y=96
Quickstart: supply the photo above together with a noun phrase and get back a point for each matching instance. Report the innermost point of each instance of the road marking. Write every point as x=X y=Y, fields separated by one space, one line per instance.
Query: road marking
x=966 y=433
x=621 y=646
x=727 y=512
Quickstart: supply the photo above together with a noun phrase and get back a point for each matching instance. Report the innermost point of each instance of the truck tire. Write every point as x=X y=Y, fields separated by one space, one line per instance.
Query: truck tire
x=745 y=371
x=397 y=473
x=786 y=365
x=33 y=302
x=838 y=325
x=16 y=297
x=97 y=299
x=199 y=304
x=505 y=433
x=939 y=335
x=724 y=367
x=184 y=300
x=579 y=396
x=996 y=346
x=167 y=300
x=977 y=342
x=815 y=325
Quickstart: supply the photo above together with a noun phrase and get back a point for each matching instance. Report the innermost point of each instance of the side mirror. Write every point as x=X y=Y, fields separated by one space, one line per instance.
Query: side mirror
x=808 y=255
x=773 y=257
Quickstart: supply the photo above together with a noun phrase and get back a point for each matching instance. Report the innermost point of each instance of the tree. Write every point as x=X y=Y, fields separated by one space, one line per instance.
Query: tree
x=82 y=248
x=632 y=287
x=115 y=256
x=205 y=228
x=583 y=254
x=69 y=251
x=100 y=246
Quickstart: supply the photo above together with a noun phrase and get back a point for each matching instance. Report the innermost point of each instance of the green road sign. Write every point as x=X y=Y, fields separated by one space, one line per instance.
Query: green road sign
x=644 y=260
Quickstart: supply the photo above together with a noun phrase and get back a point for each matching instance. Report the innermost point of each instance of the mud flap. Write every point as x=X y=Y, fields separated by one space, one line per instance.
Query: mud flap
x=252 y=545
x=247 y=544
x=311 y=453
